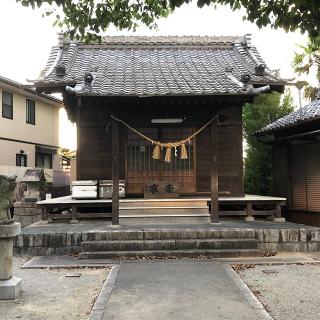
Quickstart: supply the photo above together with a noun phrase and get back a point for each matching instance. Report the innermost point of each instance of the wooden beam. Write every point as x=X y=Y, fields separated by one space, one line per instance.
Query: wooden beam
x=214 y=215
x=115 y=172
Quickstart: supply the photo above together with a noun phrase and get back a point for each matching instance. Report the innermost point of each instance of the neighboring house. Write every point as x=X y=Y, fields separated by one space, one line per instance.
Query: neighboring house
x=295 y=140
x=29 y=129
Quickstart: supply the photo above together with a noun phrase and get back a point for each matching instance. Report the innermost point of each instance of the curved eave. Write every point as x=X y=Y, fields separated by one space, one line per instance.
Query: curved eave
x=61 y=87
x=286 y=127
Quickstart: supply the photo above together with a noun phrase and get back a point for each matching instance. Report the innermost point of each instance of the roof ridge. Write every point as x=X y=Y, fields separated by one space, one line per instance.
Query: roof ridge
x=167 y=40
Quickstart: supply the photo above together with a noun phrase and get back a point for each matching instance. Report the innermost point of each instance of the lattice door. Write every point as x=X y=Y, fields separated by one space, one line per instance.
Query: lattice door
x=142 y=168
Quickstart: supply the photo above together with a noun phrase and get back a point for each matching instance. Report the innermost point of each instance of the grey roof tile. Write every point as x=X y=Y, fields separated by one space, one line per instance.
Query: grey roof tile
x=310 y=111
x=147 y=66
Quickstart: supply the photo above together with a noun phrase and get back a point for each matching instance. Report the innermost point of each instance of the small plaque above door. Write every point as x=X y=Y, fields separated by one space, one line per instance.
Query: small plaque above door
x=161 y=190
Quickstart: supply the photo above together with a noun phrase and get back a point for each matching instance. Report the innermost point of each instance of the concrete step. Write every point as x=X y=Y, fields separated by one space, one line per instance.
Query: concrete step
x=151 y=219
x=163 y=203
x=192 y=253
x=146 y=245
x=170 y=233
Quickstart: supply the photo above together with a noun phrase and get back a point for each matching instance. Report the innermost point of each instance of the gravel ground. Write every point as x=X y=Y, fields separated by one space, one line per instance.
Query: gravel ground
x=49 y=294
x=286 y=291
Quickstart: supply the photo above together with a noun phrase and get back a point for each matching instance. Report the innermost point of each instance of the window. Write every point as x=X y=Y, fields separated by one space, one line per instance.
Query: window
x=44 y=160
x=30 y=112
x=21 y=160
x=7 y=105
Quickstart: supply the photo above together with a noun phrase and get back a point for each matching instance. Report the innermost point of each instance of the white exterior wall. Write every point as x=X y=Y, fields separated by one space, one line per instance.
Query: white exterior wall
x=45 y=131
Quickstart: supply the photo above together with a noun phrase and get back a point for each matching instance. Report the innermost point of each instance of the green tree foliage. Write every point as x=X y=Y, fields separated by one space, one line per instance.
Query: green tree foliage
x=258 y=161
x=307 y=58
x=87 y=19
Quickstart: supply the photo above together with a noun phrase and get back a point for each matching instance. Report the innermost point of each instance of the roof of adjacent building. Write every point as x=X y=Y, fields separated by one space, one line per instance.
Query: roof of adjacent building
x=157 y=66
x=27 y=90
x=308 y=112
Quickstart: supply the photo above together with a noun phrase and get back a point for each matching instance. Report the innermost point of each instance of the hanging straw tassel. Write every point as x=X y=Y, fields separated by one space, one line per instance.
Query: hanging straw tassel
x=156 y=152
x=184 y=154
x=168 y=155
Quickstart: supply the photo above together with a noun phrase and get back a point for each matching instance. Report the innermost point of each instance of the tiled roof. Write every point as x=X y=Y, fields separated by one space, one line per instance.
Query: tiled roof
x=310 y=111
x=155 y=66
x=21 y=86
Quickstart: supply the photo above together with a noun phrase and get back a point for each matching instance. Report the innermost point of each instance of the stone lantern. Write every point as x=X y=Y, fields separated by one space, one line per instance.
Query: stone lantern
x=10 y=286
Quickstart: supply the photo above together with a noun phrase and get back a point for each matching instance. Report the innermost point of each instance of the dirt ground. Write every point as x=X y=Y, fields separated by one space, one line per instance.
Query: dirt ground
x=49 y=294
x=287 y=291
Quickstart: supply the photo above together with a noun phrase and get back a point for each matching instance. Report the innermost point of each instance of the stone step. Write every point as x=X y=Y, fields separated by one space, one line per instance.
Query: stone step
x=151 y=219
x=193 y=253
x=163 y=203
x=169 y=233
x=162 y=211
x=146 y=245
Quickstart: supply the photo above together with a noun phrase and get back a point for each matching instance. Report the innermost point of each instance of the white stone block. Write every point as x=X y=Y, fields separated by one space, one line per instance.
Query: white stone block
x=10 y=289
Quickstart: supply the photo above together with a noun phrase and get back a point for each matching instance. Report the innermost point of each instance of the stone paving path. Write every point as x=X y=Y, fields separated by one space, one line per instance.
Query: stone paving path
x=178 y=290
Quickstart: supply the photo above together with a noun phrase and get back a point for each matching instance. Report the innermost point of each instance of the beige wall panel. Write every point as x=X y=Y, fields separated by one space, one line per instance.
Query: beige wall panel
x=46 y=129
x=9 y=149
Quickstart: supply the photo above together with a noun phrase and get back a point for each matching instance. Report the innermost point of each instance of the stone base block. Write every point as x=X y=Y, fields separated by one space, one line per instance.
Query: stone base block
x=74 y=221
x=279 y=220
x=248 y=219
x=10 y=289
x=27 y=213
x=43 y=221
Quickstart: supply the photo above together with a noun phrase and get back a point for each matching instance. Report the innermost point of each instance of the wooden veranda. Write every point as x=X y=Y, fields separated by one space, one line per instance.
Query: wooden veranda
x=248 y=206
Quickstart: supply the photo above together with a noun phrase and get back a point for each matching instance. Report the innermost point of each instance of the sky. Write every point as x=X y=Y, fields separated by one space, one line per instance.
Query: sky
x=26 y=39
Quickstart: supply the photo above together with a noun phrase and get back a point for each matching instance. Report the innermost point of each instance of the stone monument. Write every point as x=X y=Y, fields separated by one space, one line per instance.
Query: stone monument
x=26 y=211
x=10 y=286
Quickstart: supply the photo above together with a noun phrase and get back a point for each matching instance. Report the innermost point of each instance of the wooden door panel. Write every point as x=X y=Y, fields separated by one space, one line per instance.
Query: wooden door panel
x=298 y=178
x=313 y=176
x=142 y=168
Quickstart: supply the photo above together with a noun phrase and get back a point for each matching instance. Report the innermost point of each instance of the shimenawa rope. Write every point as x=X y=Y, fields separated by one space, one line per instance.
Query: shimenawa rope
x=168 y=145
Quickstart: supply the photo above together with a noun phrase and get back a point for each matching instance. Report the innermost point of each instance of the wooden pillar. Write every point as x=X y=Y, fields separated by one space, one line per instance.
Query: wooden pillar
x=78 y=156
x=278 y=210
x=278 y=217
x=249 y=211
x=44 y=214
x=214 y=215
x=115 y=172
x=74 y=215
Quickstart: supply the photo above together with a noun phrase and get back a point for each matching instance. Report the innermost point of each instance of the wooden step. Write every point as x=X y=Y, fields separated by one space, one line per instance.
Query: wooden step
x=162 y=211
x=172 y=244
x=163 y=203
x=191 y=253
